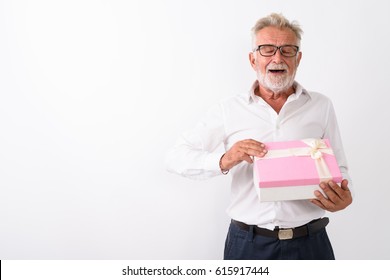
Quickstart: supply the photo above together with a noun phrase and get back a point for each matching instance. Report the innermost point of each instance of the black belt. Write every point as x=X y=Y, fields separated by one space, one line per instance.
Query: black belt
x=287 y=233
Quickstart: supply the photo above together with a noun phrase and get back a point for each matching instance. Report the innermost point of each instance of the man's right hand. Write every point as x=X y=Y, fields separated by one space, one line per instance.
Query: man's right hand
x=242 y=150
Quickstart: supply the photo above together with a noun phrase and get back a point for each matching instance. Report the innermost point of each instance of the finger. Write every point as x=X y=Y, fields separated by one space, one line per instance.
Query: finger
x=326 y=202
x=247 y=158
x=335 y=189
x=331 y=191
x=254 y=152
x=253 y=142
x=344 y=185
x=347 y=195
x=342 y=191
x=318 y=203
x=253 y=148
x=243 y=151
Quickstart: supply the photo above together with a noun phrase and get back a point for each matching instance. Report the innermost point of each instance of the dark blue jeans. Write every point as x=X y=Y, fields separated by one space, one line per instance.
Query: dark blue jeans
x=245 y=245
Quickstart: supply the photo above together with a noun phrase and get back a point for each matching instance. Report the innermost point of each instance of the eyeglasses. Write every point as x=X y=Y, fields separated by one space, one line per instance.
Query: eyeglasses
x=270 y=50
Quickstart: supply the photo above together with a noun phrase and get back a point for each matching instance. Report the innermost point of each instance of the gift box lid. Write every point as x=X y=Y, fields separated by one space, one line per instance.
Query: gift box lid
x=296 y=163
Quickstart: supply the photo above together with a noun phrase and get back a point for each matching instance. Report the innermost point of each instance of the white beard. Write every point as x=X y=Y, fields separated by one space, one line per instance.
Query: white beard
x=277 y=83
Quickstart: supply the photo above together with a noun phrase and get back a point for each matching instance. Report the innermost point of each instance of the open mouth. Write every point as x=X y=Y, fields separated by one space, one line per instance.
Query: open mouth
x=277 y=71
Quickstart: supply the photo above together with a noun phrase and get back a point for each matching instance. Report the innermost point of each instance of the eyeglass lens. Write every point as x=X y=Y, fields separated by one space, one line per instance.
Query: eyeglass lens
x=270 y=50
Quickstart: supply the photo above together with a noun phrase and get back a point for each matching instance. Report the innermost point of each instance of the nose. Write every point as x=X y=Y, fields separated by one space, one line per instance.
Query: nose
x=277 y=57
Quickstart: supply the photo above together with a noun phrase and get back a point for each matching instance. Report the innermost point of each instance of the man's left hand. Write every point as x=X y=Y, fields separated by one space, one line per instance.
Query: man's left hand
x=337 y=197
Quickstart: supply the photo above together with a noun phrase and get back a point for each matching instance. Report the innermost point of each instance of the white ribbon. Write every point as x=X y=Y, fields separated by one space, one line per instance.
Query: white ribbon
x=315 y=149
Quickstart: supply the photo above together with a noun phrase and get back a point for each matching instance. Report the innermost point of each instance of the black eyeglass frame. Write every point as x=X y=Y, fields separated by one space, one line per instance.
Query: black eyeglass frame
x=280 y=48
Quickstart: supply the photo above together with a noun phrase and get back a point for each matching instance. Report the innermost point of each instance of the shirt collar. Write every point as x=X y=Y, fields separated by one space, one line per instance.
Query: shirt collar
x=299 y=90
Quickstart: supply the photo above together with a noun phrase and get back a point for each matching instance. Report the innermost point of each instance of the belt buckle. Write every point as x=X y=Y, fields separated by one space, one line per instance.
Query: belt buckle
x=285 y=234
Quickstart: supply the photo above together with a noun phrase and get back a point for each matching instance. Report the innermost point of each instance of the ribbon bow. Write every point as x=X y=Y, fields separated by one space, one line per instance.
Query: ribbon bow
x=316 y=145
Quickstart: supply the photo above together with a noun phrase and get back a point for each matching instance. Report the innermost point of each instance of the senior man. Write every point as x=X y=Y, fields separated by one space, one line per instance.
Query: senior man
x=277 y=108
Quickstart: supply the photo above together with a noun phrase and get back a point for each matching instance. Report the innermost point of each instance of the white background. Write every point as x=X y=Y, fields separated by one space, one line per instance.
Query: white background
x=93 y=93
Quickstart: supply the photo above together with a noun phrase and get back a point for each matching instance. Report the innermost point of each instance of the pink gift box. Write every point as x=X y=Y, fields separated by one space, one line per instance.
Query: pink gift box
x=293 y=170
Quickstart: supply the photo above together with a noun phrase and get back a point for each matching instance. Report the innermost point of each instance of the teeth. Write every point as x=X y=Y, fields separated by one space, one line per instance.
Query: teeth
x=277 y=67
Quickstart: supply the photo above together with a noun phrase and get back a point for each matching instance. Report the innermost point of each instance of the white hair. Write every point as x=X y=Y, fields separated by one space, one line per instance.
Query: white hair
x=276 y=20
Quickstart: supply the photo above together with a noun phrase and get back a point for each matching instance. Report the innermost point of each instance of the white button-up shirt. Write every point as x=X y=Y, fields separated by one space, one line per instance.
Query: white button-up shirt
x=247 y=116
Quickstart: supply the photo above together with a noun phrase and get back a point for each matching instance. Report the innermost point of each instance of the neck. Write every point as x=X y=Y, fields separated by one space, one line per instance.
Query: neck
x=275 y=99
x=268 y=94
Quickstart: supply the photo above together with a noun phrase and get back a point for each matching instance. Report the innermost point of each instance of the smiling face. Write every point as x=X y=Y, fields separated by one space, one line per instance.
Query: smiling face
x=275 y=73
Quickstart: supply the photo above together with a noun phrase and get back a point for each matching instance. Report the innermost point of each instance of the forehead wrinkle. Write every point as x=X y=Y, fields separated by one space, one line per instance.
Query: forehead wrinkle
x=275 y=36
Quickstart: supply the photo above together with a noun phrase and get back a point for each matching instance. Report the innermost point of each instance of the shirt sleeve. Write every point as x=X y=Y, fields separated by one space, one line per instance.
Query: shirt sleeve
x=332 y=133
x=194 y=155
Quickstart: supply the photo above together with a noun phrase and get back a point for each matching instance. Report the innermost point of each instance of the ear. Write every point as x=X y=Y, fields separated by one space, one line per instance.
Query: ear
x=252 y=60
x=299 y=58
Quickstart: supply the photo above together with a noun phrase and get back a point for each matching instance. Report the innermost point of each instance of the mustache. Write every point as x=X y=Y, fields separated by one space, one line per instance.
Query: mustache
x=275 y=66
